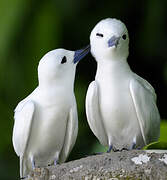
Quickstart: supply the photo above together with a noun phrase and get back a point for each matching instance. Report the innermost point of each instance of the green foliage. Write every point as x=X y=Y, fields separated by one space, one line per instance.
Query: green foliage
x=157 y=145
x=163 y=131
x=162 y=143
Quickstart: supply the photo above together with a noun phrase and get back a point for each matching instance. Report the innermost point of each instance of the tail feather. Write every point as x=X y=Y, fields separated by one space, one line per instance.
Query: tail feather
x=25 y=167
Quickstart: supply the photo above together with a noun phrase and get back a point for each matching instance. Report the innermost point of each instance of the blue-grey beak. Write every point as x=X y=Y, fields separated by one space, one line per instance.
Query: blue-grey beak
x=80 y=54
x=113 y=41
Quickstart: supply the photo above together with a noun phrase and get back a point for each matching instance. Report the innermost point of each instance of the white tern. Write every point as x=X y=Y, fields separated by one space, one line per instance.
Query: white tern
x=46 y=121
x=120 y=105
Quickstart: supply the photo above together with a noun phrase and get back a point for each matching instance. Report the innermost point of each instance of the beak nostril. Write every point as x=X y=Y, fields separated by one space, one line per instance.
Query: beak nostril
x=113 y=41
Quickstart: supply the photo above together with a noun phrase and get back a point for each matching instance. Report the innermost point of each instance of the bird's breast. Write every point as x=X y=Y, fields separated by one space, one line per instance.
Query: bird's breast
x=49 y=128
x=116 y=107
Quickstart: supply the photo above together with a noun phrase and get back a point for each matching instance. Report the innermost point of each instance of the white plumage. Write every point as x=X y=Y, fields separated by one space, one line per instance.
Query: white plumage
x=120 y=106
x=46 y=122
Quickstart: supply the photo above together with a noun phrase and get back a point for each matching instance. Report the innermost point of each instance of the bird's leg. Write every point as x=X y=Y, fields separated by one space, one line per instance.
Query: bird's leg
x=109 y=149
x=133 y=146
x=56 y=161
x=33 y=163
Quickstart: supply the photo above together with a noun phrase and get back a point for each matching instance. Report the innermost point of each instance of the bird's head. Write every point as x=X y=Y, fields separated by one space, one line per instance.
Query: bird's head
x=109 y=40
x=59 y=65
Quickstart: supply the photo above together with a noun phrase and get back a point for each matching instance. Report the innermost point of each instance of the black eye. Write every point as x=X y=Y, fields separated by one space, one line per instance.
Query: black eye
x=124 y=36
x=99 y=34
x=64 y=60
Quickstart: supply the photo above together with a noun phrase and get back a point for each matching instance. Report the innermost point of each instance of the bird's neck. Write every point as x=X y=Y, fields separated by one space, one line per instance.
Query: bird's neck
x=57 y=86
x=112 y=68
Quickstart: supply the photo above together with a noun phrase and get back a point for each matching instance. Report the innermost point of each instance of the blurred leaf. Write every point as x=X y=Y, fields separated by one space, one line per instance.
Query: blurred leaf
x=11 y=14
x=163 y=131
x=97 y=148
x=156 y=145
x=162 y=143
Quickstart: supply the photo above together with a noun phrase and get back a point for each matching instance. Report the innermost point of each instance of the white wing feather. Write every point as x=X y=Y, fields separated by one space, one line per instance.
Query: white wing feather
x=144 y=99
x=22 y=126
x=71 y=133
x=93 y=113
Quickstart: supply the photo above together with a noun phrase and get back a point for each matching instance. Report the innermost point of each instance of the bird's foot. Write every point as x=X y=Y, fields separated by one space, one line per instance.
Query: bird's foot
x=133 y=146
x=33 y=163
x=109 y=149
x=56 y=162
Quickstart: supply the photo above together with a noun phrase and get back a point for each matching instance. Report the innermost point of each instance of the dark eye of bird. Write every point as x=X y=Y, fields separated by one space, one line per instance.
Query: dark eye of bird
x=64 y=60
x=99 y=34
x=124 y=36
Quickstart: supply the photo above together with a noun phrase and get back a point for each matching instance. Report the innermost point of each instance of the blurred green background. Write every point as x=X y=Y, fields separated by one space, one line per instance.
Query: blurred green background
x=30 y=28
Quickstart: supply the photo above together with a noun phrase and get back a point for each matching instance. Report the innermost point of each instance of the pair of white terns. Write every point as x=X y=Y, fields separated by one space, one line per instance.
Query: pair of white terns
x=120 y=105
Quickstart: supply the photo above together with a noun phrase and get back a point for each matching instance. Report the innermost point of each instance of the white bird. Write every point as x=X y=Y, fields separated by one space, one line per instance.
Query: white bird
x=120 y=106
x=46 y=121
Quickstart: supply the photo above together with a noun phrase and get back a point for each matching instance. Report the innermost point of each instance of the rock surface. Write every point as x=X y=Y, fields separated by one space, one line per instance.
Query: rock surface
x=133 y=165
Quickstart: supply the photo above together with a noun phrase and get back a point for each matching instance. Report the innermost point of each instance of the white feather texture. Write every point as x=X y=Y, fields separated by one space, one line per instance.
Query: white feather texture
x=120 y=106
x=46 y=122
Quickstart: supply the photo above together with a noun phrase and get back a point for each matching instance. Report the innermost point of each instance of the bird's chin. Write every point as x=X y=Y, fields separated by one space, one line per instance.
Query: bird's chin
x=112 y=47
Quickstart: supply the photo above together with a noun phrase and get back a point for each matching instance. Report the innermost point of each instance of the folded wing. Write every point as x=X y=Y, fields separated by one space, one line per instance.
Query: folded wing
x=93 y=113
x=22 y=126
x=144 y=99
x=71 y=133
